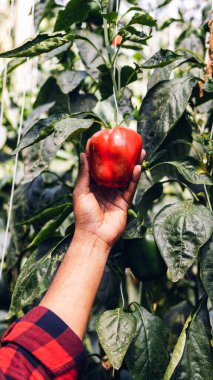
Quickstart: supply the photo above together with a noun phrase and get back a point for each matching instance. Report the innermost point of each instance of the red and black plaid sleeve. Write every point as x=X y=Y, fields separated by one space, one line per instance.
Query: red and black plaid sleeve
x=40 y=346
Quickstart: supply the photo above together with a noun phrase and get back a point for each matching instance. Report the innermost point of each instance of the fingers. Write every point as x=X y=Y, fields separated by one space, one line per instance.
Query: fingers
x=83 y=181
x=129 y=193
x=87 y=147
x=143 y=154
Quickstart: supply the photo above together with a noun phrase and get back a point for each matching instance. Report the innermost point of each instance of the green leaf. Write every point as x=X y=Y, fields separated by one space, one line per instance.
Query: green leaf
x=134 y=229
x=193 y=171
x=68 y=80
x=193 y=356
x=37 y=132
x=169 y=22
x=42 y=43
x=134 y=2
x=208 y=86
x=147 y=356
x=37 y=157
x=110 y=17
x=180 y=230
x=150 y=195
x=206 y=267
x=43 y=9
x=206 y=15
x=90 y=53
x=164 y=3
x=129 y=33
x=37 y=273
x=60 y=126
x=69 y=127
x=75 y=11
x=13 y=64
x=161 y=108
x=50 y=227
x=160 y=59
x=50 y=211
x=36 y=114
x=50 y=92
x=108 y=293
x=143 y=19
x=116 y=329
x=160 y=74
x=163 y=73
x=176 y=145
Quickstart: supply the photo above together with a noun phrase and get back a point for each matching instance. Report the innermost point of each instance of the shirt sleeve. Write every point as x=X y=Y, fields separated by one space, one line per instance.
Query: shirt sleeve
x=41 y=346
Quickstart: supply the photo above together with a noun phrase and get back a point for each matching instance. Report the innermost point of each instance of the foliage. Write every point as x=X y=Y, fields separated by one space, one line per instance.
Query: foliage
x=174 y=197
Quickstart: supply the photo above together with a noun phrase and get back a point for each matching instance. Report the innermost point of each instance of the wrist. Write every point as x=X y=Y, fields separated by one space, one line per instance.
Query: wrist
x=90 y=242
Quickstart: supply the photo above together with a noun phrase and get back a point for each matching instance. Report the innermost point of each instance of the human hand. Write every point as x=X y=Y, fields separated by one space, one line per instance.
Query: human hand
x=102 y=212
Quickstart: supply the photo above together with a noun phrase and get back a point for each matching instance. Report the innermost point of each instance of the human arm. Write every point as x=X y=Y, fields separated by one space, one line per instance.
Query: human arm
x=100 y=218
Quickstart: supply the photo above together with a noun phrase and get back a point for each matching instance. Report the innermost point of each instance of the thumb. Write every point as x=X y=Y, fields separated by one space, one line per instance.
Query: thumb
x=83 y=180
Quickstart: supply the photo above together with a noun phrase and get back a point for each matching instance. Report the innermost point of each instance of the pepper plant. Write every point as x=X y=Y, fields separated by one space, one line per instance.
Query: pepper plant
x=149 y=326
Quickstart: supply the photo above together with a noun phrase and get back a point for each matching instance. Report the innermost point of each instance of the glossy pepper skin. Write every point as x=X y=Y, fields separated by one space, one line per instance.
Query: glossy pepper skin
x=112 y=155
x=143 y=258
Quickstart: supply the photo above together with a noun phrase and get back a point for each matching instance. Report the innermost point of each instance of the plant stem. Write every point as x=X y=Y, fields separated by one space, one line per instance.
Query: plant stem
x=208 y=199
x=122 y=295
x=112 y=70
x=106 y=36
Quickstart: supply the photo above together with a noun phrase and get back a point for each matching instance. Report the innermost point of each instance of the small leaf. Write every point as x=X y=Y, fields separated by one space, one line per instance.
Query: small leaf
x=42 y=43
x=180 y=230
x=75 y=11
x=116 y=329
x=129 y=33
x=68 y=80
x=169 y=22
x=50 y=227
x=37 y=273
x=143 y=19
x=164 y=3
x=134 y=229
x=193 y=171
x=110 y=17
x=161 y=108
x=193 y=356
x=206 y=267
x=147 y=356
x=160 y=59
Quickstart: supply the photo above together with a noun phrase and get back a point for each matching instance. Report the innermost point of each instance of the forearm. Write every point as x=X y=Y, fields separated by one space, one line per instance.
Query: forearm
x=73 y=290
